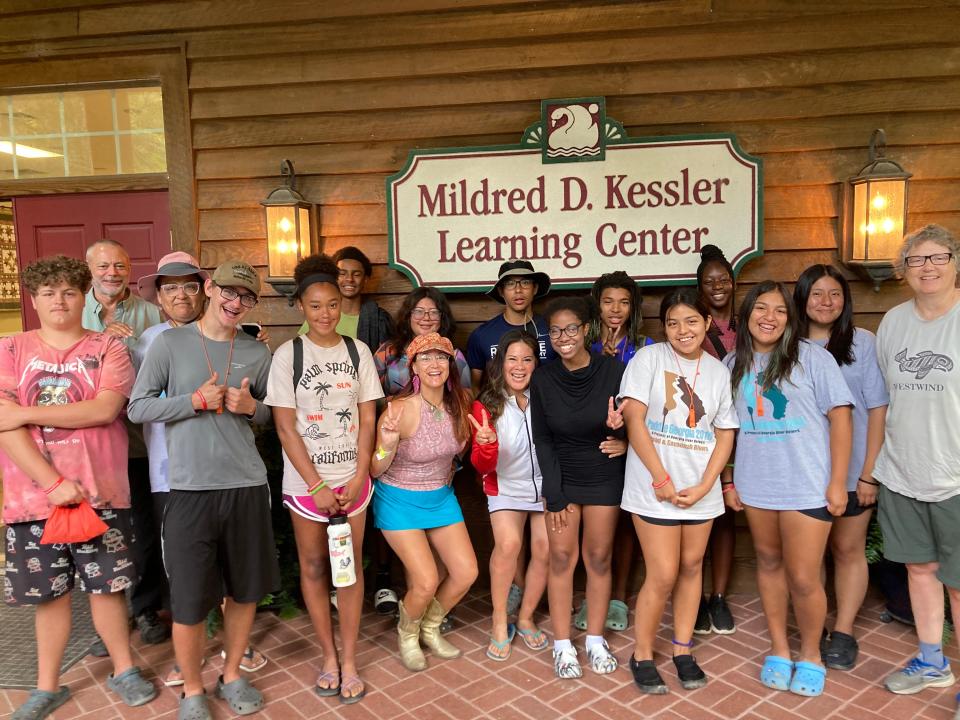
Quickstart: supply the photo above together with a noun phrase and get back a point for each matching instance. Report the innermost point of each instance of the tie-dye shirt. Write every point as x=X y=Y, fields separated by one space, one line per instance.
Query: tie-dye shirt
x=34 y=373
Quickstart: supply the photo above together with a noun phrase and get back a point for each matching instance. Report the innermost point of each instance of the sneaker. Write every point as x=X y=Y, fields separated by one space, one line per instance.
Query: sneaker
x=153 y=630
x=839 y=652
x=721 y=619
x=918 y=675
x=385 y=601
x=646 y=677
x=565 y=664
x=689 y=672
x=703 y=626
x=602 y=661
x=514 y=598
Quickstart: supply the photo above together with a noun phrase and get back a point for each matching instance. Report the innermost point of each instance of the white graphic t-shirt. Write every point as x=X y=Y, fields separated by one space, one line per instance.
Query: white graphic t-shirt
x=920 y=457
x=683 y=409
x=326 y=401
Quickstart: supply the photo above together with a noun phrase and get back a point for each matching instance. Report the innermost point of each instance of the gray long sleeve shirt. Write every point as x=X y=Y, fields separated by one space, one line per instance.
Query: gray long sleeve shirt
x=207 y=451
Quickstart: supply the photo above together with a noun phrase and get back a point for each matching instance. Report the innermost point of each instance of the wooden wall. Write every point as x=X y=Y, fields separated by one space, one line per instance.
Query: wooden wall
x=345 y=90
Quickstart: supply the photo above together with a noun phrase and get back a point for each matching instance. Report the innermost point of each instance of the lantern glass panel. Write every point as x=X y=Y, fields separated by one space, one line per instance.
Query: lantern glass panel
x=306 y=232
x=878 y=212
x=282 y=242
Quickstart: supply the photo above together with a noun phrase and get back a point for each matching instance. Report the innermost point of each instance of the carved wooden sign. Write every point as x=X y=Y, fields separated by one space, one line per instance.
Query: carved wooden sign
x=578 y=198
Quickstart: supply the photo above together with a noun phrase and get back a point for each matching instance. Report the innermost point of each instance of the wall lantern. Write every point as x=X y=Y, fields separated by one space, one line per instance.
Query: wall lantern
x=291 y=223
x=875 y=203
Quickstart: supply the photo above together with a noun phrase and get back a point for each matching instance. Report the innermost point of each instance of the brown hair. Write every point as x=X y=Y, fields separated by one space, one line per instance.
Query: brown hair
x=55 y=270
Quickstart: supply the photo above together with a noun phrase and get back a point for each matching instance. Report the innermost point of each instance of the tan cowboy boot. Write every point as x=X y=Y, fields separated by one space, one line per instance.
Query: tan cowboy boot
x=430 y=632
x=410 y=653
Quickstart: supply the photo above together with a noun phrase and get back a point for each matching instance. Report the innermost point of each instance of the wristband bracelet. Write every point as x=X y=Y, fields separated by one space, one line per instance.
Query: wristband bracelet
x=56 y=484
x=728 y=488
x=874 y=483
x=381 y=453
x=316 y=488
x=203 y=400
x=657 y=486
x=724 y=483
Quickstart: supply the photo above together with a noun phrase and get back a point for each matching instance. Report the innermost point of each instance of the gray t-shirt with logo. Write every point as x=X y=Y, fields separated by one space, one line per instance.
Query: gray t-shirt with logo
x=783 y=447
x=207 y=451
x=920 y=457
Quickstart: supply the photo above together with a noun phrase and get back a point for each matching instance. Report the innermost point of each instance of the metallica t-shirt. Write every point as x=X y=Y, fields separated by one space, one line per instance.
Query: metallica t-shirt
x=783 y=447
x=34 y=373
x=920 y=457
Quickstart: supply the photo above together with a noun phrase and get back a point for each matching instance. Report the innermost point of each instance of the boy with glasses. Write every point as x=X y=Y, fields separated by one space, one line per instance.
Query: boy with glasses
x=518 y=285
x=206 y=382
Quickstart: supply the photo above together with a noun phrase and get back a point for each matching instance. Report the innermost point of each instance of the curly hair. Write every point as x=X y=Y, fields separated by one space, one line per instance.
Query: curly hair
x=618 y=279
x=55 y=270
x=318 y=264
x=403 y=333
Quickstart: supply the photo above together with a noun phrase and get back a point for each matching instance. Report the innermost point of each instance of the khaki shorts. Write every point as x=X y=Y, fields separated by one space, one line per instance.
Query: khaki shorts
x=915 y=531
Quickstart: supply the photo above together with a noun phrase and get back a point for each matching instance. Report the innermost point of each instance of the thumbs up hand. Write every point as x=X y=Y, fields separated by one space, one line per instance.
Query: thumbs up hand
x=239 y=400
x=208 y=396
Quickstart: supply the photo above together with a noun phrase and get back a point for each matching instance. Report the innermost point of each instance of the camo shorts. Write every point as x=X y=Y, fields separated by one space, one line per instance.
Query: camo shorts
x=38 y=573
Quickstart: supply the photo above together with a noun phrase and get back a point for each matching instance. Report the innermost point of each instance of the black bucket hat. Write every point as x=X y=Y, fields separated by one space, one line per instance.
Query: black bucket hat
x=520 y=268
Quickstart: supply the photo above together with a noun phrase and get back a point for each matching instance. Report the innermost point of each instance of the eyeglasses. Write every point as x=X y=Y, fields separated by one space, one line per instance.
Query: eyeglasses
x=522 y=283
x=428 y=358
x=246 y=299
x=173 y=289
x=921 y=260
x=571 y=331
x=721 y=282
x=429 y=314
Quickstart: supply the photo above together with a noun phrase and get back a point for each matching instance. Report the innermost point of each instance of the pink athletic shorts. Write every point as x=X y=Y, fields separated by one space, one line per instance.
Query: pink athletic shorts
x=304 y=506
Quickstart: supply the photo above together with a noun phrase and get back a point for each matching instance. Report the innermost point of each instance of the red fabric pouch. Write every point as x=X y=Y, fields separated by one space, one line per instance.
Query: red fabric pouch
x=73 y=524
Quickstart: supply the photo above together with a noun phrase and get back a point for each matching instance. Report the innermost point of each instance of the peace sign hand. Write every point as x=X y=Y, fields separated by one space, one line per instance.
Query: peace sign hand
x=390 y=427
x=614 y=416
x=484 y=433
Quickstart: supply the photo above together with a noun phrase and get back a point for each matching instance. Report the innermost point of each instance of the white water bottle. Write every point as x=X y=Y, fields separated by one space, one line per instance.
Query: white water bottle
x=340 y=540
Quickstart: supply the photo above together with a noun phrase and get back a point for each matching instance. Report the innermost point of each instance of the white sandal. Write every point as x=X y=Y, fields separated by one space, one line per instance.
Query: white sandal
x=565 y=664
x=602 y=660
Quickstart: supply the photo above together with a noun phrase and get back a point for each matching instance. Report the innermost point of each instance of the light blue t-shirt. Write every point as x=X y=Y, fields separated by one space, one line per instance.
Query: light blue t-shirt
x=869 y=391
x=783 y=447
x=153 y=433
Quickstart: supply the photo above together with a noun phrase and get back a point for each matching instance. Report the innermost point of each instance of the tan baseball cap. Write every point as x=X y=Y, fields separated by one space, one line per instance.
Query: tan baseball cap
x=237 y=273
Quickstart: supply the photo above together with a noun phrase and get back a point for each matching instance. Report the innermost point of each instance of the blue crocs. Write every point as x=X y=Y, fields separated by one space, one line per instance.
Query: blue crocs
x=776 y=672
x=808 y=679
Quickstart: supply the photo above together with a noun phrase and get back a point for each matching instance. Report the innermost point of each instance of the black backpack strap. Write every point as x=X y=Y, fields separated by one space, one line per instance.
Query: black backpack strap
x=297 y=361
x=354 y=355
x=714 y=337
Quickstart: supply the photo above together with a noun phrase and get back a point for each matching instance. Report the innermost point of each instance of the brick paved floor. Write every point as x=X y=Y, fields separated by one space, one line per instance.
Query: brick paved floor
x=524 y=687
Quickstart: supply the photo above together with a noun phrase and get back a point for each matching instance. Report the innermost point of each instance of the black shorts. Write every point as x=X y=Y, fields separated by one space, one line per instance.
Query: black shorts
x=854 y=508
x=38 y=573
x=216 y=544
x=672 y=522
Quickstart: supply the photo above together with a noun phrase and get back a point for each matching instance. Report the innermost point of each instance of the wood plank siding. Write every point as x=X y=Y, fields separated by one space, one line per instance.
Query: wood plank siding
x=345 y=90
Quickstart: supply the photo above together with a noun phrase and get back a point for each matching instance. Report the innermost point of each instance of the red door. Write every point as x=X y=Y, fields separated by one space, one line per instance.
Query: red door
x=68 y=224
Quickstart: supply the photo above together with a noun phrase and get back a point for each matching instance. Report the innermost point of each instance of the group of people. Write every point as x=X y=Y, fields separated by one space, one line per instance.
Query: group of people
x=587 y=438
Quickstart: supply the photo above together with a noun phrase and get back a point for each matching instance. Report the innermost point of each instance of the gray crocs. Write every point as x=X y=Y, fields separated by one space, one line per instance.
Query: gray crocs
x=132 y=688
x=194 y=708
x=242 y=697
x=41 y=703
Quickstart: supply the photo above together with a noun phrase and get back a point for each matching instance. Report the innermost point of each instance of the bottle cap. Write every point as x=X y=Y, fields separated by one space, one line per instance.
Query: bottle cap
x=338 y=519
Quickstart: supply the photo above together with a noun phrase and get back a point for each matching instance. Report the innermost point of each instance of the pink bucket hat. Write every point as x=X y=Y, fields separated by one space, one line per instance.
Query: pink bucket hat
x=175 y=264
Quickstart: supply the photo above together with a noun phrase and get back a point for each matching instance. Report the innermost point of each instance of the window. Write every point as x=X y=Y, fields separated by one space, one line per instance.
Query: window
x=109 y=131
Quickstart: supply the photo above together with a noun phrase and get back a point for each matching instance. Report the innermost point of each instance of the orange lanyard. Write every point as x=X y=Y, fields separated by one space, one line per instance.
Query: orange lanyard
x=692 y=416
x=758 y=396
x=226 y=375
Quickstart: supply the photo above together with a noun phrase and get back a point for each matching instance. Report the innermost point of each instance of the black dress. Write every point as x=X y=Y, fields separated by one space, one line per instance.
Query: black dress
x=569 y=414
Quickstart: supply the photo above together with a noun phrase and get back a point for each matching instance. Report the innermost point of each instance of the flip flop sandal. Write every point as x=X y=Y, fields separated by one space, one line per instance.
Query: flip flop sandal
x=617 y=615
x=41 y=703
x=496 y=647
x=534 y=639
x=249 y=663
x=242 y=697
x=329 y=690
x=776 y=672
x=580 y=621
x=808 y=679
x=194 y=708
x=175 y=677
x=348 y=683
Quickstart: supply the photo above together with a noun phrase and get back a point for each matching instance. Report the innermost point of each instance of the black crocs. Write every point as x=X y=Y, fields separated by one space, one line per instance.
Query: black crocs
x=690 y=674
x=646 y=677
x=839 y=651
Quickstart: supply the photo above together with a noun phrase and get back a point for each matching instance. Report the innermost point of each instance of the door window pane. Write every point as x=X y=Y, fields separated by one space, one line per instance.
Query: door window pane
x=92 y=155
